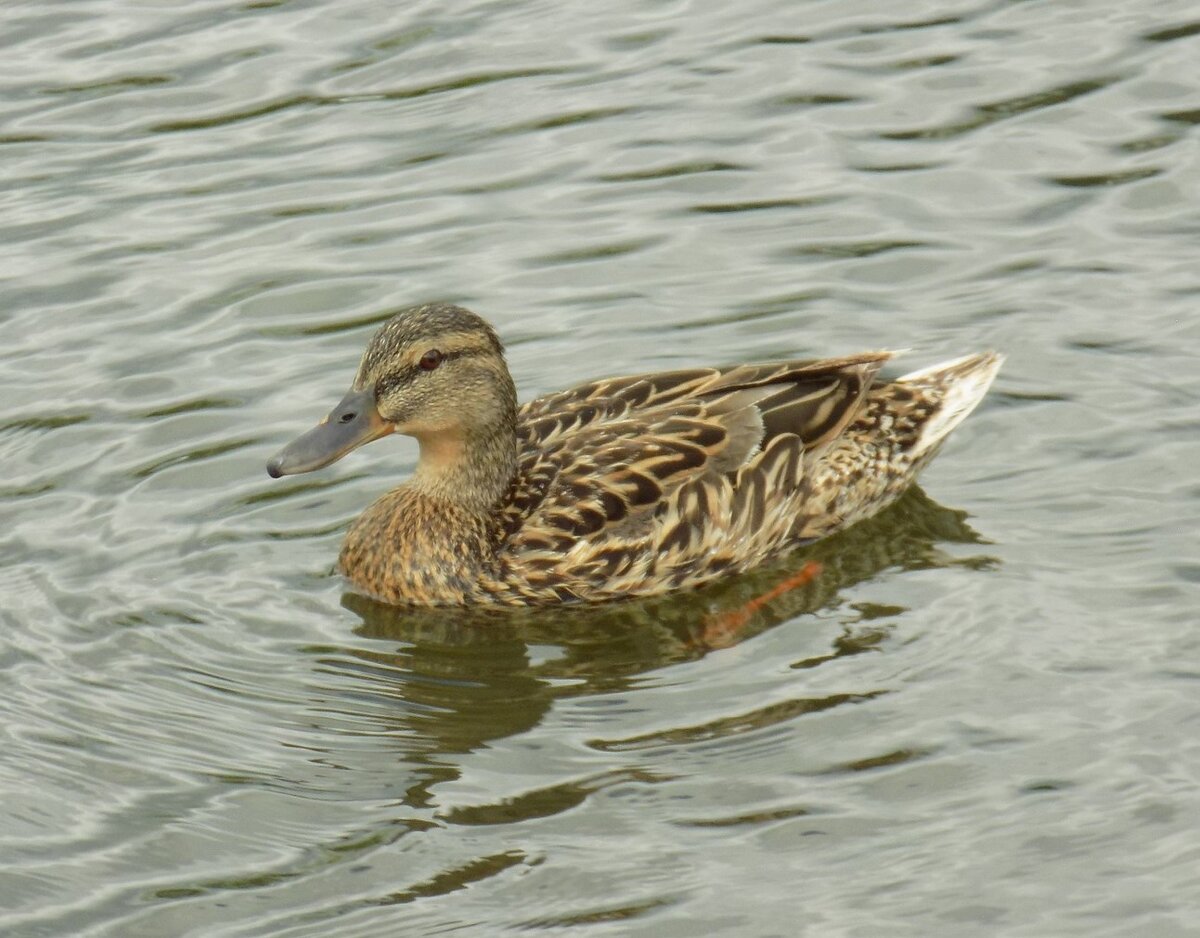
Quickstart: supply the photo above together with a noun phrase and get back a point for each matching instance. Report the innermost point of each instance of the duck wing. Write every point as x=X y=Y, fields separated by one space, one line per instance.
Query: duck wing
x=646 y=482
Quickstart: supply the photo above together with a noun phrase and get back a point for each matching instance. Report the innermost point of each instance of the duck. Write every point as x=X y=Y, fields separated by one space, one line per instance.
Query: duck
x=621 y=487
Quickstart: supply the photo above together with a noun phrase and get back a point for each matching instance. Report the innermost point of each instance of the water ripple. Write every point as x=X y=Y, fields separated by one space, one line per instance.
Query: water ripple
x=208 y=208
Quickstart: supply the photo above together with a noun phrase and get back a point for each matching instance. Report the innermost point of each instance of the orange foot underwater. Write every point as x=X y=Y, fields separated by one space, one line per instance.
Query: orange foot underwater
x=723 y=630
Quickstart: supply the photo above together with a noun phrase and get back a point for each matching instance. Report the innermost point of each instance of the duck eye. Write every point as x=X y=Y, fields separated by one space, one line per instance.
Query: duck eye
x=430 y=360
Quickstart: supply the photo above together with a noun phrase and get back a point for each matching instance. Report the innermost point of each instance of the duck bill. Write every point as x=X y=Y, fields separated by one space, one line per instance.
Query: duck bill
x=352 y=423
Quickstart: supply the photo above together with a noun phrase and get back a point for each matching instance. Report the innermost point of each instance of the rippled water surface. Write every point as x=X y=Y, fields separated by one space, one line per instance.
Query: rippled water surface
x=982 y=718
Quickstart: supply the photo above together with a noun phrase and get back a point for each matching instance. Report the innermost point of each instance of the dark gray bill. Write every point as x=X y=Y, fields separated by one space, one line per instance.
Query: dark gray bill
x=352 y=423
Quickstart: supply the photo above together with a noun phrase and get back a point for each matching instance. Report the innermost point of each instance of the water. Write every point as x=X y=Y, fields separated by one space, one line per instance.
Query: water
x=980 y=719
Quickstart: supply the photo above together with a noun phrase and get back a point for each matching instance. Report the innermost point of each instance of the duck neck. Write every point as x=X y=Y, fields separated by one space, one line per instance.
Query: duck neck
x=471 y=469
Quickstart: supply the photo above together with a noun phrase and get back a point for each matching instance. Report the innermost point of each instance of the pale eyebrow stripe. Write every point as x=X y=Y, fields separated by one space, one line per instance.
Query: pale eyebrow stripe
x=451 y=344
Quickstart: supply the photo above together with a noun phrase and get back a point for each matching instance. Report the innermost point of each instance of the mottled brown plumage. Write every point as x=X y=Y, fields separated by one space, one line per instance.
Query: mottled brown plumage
x=621 y=487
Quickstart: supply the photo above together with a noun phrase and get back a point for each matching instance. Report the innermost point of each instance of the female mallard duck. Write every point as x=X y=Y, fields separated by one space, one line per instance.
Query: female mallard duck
x=621 y=487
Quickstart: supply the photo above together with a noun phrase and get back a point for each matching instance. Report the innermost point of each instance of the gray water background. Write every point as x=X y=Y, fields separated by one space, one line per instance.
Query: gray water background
x=983 y=718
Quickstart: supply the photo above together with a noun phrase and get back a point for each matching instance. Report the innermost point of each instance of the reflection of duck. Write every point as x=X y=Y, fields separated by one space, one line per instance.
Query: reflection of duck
x=446 y=681
x=622 y=487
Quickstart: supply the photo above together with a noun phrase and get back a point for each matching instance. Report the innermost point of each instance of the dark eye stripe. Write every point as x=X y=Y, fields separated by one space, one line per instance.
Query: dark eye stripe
x=389 y=383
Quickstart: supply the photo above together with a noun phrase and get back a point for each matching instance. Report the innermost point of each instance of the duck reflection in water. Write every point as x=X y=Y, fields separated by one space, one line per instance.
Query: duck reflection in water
x=467 y=676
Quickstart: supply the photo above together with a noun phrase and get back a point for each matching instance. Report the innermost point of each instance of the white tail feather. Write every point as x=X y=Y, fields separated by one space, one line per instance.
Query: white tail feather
x=961 y=385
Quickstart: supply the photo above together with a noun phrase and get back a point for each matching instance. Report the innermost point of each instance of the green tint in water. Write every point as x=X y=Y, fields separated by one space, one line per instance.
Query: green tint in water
x=206 y=210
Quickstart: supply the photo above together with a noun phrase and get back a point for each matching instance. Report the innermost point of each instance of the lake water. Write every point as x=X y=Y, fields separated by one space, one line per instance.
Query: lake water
x=982 y=718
